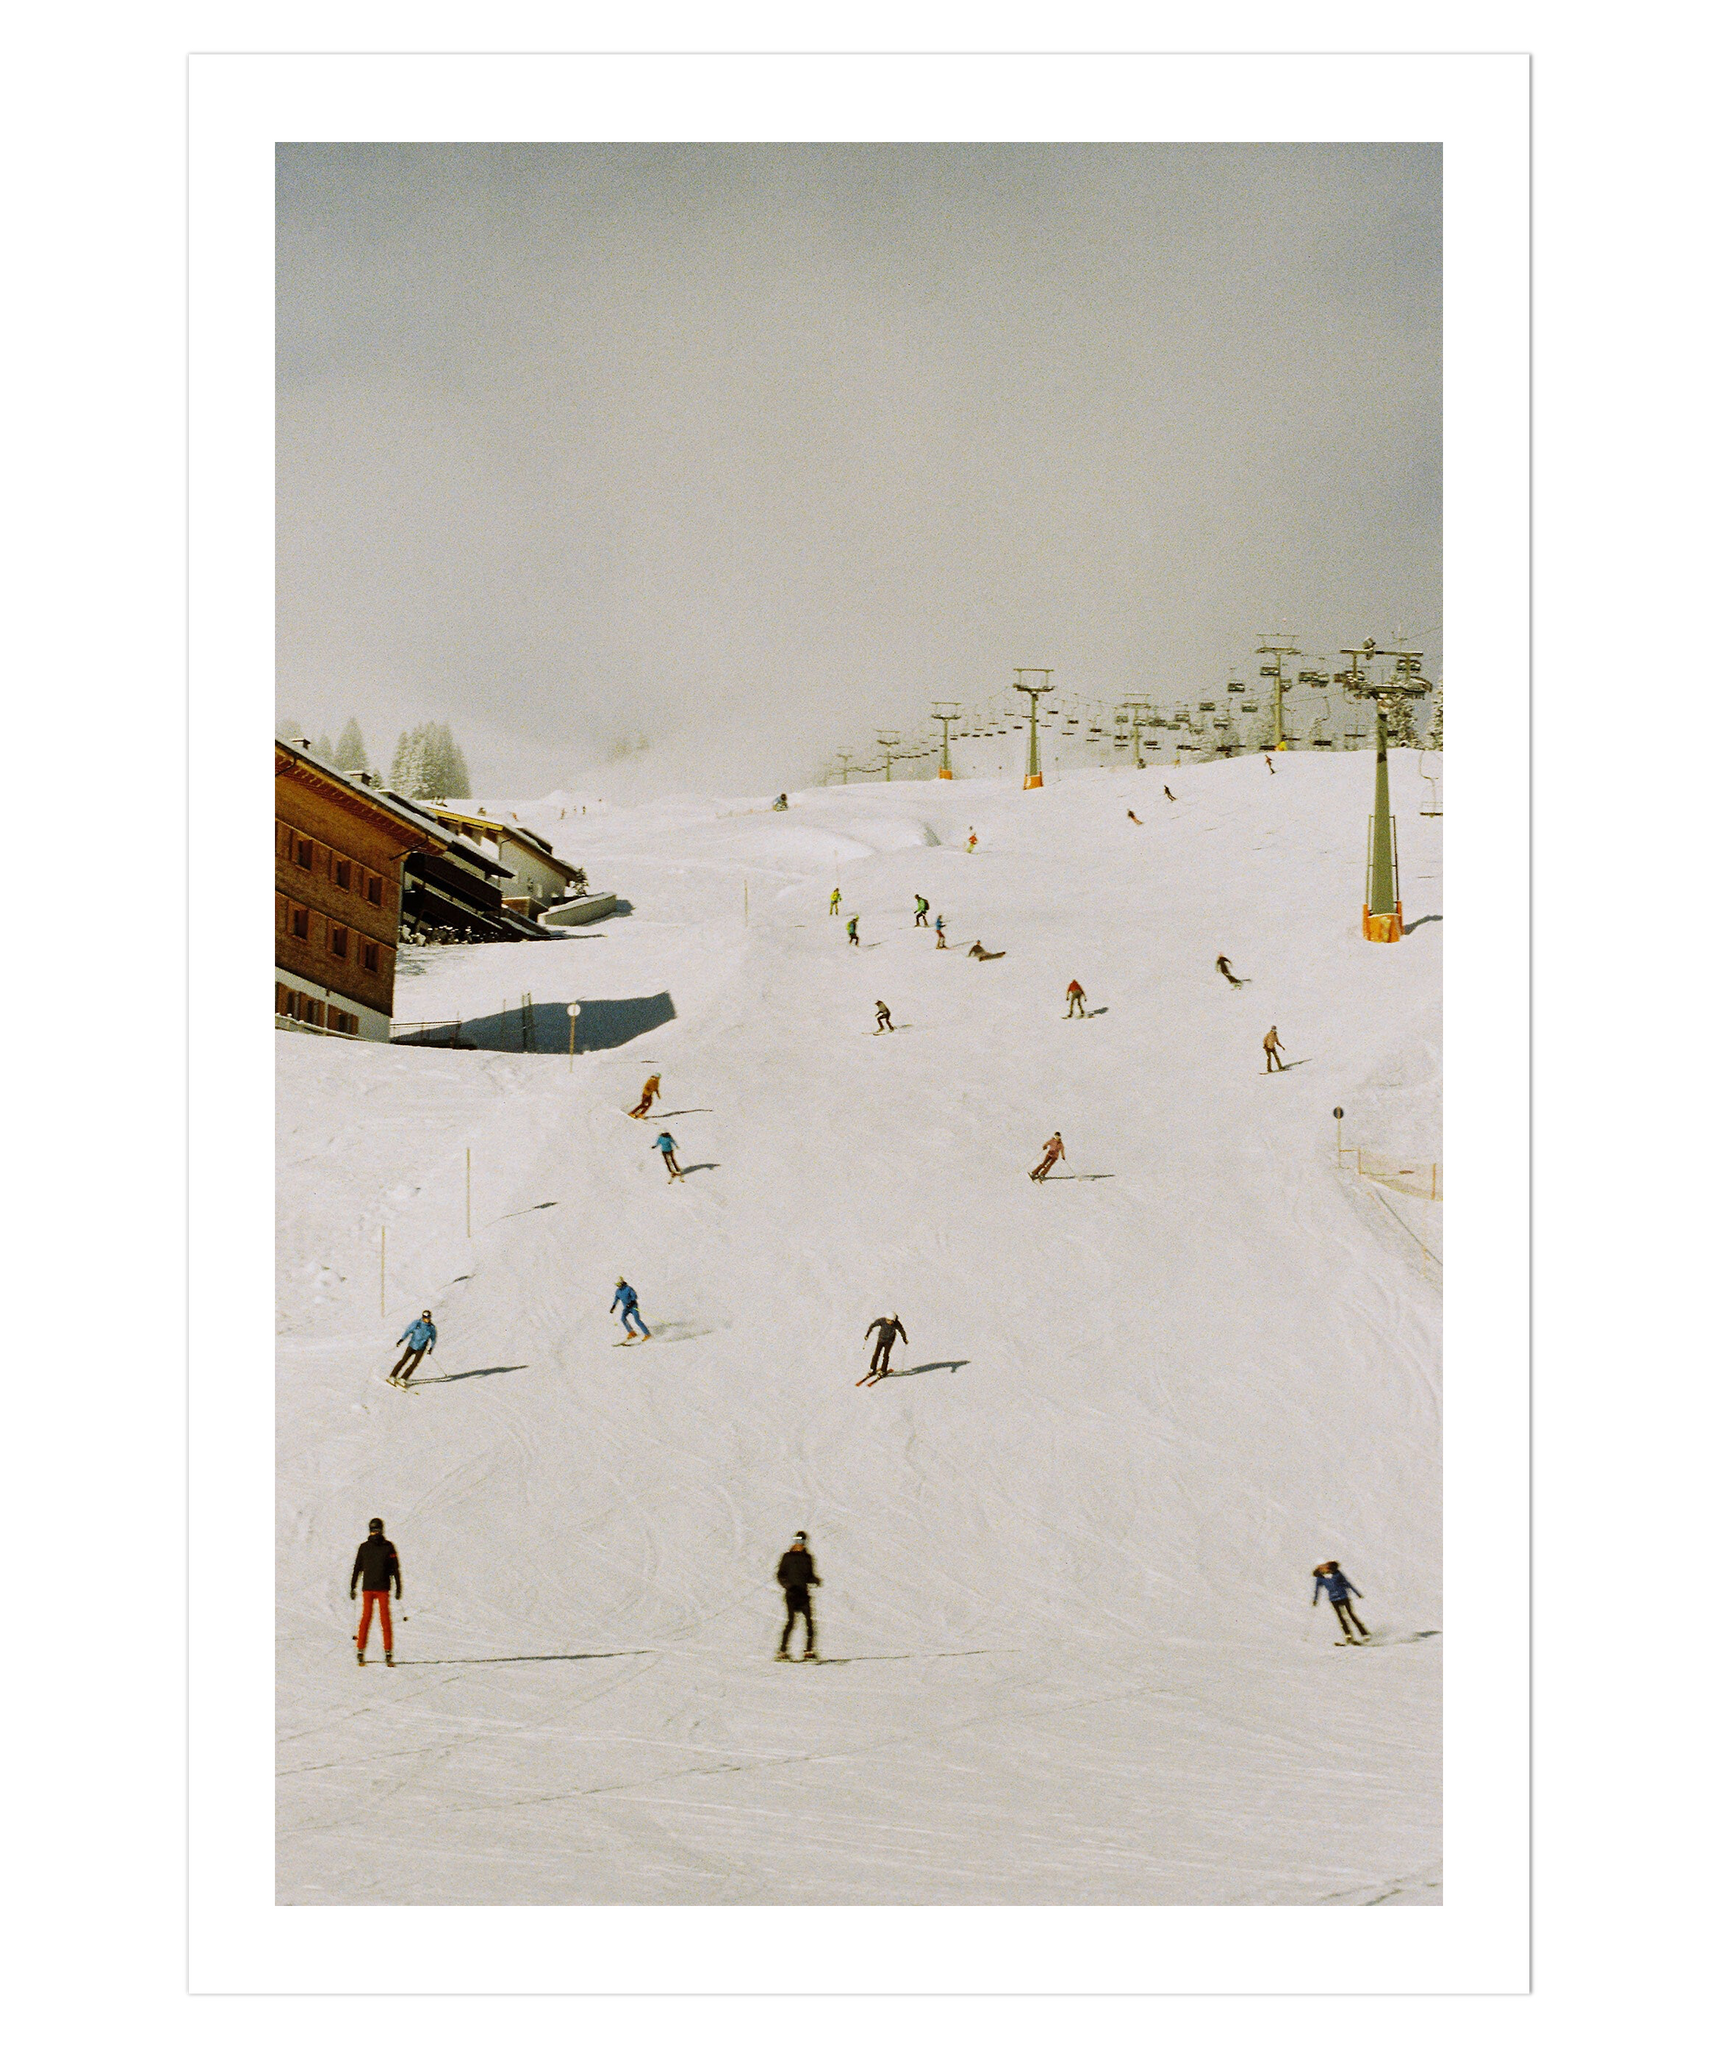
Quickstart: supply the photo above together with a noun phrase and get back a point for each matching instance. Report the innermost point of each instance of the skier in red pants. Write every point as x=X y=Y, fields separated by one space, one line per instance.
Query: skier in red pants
x=378 y=1565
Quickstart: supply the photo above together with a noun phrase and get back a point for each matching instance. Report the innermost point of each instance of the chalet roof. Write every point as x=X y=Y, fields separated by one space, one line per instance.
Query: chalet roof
x=293 y=757
x=503 y=829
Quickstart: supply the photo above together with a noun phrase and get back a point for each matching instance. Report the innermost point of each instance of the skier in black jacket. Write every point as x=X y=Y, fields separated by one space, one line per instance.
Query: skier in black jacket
x=378 y=1565
x=796 y=1575
x=888 y=1328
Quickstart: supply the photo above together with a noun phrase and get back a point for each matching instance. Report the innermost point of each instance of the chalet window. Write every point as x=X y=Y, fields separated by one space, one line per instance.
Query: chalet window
x=337 y=937
x=282 y=1000
x=373 y=889
x=300 y=921
x=283 y=842
x=372 y=959
x=315 y=1012
x=304 y=853
x=342 y=874
x=342 y=1020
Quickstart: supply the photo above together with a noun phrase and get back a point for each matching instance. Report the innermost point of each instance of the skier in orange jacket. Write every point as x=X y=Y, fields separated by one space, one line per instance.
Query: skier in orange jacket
x=1076 y=999
x=1053 y=1150
x=652 y=1089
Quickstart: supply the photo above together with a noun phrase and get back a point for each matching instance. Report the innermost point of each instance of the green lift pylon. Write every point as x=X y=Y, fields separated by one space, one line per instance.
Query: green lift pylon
x=1033 y=691
x=1381 y=913
x=945 y=714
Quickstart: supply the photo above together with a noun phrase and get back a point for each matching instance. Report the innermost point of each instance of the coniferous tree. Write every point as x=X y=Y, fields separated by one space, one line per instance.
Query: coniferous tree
x=323 y=748
x=1399 y=722
x=1434 y=738
x=397 y=771
x=458 y=775
x=350 y=754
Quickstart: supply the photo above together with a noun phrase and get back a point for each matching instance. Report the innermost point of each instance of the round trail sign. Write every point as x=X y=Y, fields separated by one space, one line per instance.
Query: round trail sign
x=573 y=1011
x=1336 y=1112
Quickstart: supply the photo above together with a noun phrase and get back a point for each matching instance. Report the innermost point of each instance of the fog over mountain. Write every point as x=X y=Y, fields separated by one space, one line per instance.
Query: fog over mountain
x=748 y=450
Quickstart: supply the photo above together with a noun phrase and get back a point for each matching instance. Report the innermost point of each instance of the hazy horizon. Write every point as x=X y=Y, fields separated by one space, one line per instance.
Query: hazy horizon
x=750 y=449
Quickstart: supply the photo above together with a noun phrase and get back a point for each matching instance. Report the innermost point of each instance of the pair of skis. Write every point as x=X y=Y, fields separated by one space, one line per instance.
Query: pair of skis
x=871 y=1378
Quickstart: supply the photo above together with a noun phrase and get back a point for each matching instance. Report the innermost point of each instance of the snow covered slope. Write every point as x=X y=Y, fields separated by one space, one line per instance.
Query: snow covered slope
x=1066 y=1553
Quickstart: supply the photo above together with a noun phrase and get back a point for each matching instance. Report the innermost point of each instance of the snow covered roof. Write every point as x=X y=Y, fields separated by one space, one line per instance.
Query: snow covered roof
x=364 y=786
x=503 y=829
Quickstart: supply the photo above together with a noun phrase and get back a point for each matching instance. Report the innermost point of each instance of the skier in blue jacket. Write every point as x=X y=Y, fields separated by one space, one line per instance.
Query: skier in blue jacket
x=1329 y=1580
x=626 y=1300
x=419 y=1340
x=665 y=1145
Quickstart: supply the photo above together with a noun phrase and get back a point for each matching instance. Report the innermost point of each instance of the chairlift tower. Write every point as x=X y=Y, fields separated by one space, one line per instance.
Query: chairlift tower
x=890 y=745
x=846 y=760
x=1032 y=692
x=1138 y=710
x=1279 y=650
x=945 y=712
x=1381 y=914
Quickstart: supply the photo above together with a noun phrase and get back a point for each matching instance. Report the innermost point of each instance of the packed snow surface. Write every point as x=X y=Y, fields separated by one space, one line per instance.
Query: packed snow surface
x=1066 y=1552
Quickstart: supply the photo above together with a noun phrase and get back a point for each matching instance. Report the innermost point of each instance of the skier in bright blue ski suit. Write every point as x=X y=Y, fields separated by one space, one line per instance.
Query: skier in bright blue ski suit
x=626 y=1300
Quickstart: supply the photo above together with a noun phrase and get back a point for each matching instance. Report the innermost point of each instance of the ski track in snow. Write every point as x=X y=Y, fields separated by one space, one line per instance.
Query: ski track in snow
x=1072 y=1658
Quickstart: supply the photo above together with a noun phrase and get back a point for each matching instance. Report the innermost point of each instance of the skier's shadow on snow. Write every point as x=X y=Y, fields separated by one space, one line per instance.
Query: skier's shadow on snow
x=913 y=1656
x=941 y=1365
x=481 y=1372
x=535 y=1206
x=703 y=1166
x=546 y=1657
x=1288 y=1066
x=1079 y=1176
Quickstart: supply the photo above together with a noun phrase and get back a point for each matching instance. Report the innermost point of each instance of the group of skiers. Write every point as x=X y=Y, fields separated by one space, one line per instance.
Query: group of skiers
x=376 y=1568
x=377 y=1564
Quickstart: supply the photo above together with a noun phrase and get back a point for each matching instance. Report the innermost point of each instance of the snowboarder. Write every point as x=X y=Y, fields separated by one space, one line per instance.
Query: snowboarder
x=1226 y=971
x=852 y=931
x=664 y=1142
x=1076 y=999
x=780 y=803
x=1270 y=764
x=796 y=1575
x=921 y=910
x=888 y=1328
x=1168 y=792
x=378 y=1565
x=1274 y=1050
x=647 y=1101
x=834 y=901
x=941 y=930
x=1132 y=820
x=626 y=1300
x=1054 y=1149
x=972 y=842
x=419 y=1340
x=883 y=1023
x=976 y=952
x=1329 y=1580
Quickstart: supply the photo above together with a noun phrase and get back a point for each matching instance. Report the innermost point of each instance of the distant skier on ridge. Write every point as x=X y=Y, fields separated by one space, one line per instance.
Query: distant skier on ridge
x=378 y=1565
x=796 y=1574
x=1076 y=999
x=853 y=931
x=883 y=1023
x=942 y=934
x=1274 y=1050
x=1168 y=792
x=1329 y=1580
x=834 y=901
x=921 y=910
x=664 y=1143
x=1227 y=972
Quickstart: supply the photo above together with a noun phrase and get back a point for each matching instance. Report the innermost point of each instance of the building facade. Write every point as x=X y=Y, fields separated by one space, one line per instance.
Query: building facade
x=338 y=850
x=540 y=876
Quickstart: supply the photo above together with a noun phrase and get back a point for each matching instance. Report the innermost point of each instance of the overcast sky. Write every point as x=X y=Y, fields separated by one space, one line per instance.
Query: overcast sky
x=753 y=449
